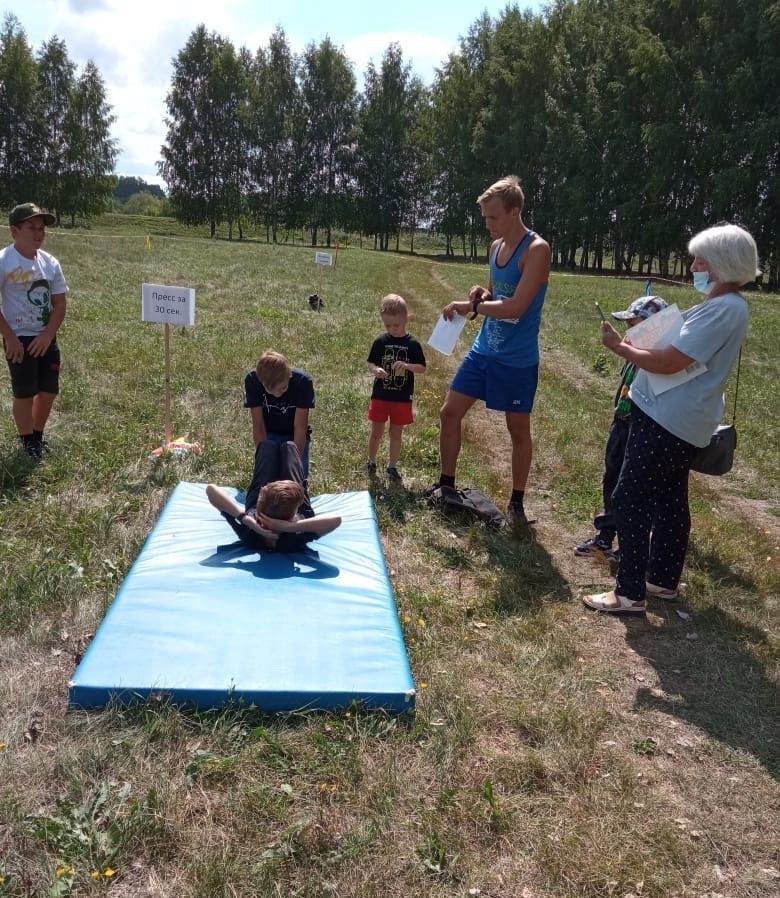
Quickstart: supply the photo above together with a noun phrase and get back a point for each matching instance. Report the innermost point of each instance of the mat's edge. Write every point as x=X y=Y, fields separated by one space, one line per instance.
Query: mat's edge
x=86 y=698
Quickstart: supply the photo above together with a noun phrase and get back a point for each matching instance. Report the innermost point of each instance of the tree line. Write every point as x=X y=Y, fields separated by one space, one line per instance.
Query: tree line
x=632 y=124
x=55 y=144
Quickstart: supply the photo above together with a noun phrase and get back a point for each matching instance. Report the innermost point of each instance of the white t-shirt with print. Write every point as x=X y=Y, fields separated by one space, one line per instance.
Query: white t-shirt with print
x=27 y=286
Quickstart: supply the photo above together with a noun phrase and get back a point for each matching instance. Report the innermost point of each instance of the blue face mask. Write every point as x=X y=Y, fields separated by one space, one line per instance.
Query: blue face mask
x=702 y=282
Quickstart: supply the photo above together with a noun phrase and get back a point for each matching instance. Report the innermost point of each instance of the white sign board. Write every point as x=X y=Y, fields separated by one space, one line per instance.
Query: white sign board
x=169 y=305
x=323 y=259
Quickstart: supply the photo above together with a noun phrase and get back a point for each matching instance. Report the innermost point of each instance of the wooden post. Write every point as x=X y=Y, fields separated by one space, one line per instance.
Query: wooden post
x=167 y=391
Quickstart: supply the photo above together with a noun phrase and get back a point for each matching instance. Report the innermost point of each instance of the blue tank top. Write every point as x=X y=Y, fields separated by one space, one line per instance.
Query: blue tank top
x=512 y=341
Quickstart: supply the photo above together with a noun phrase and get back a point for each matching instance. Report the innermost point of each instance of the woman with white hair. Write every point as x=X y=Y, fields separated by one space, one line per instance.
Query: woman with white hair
x=650 y=501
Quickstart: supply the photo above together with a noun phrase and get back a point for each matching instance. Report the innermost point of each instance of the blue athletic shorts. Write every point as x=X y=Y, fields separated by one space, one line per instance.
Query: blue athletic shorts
x=501 y=387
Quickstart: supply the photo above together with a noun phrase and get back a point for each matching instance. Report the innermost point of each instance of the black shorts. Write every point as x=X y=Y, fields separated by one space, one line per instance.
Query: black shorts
x=35 y=375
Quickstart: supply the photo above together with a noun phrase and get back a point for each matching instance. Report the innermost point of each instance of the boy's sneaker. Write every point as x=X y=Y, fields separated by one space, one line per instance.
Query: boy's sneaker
x=370 y=467
x=34 y=450
x=660 y=592
x=393 y=474
x=594 y=544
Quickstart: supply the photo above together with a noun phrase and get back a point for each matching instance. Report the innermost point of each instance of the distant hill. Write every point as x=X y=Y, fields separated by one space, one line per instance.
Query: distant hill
x=127 y=187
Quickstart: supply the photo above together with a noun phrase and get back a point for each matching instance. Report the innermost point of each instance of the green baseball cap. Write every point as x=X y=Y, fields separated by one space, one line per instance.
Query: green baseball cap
x=24 y=211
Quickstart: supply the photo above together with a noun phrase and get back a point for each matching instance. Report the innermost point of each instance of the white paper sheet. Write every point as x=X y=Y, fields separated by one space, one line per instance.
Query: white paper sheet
x=656 y=332
x=445 y=334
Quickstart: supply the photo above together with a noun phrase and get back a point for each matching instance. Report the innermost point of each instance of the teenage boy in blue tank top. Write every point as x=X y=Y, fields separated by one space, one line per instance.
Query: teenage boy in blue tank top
x=502 y=367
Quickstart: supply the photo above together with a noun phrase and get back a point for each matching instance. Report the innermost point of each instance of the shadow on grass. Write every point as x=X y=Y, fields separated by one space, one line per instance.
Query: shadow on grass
x=715 y=682
x=717 y=570
x=525 y=574
x=15 y=470
x=393 y=499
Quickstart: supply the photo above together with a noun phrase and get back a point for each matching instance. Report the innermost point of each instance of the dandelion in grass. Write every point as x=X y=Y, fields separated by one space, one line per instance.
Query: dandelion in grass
x=423 y=685
x=64 y=870
x=108 y=872
x=421 y=622
x=3 y=746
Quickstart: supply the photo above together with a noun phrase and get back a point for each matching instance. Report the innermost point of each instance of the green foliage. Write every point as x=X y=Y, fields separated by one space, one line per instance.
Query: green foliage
x=85 y=838
x=55 y=145
x=204 y=158
x=631 y=124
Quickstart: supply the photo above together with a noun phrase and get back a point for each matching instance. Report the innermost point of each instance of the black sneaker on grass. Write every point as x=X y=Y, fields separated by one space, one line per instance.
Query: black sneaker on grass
x=370 y=467
x=516 y=516
x=393 y=474
x=595 y=543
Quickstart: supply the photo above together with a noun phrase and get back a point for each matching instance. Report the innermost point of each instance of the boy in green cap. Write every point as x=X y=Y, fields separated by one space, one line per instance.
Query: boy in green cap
x=33 y=291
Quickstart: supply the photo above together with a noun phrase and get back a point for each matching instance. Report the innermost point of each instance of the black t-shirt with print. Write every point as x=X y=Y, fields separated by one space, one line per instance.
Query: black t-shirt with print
x=279 y=411
x=385 y=351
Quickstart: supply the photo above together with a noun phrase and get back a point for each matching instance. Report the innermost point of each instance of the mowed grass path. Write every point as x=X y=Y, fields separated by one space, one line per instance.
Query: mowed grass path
x=553 y=753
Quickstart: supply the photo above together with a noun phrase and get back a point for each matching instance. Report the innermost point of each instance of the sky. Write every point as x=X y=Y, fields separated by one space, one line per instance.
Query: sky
x=133 y=44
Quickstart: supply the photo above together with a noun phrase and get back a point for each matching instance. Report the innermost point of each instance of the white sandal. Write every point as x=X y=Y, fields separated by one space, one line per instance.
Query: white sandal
x=611 y=603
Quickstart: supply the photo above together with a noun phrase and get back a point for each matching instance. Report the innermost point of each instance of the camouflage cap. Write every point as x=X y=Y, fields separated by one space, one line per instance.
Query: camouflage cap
x=26 y=211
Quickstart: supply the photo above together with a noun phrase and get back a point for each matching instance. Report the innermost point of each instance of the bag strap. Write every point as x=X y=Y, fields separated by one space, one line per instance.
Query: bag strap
x=736 y=389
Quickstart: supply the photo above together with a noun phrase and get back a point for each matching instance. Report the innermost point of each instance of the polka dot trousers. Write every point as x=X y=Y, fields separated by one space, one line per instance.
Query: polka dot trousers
x=650 y=505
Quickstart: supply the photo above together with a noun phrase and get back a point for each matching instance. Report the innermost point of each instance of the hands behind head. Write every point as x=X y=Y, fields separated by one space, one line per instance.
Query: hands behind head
x=274 y=525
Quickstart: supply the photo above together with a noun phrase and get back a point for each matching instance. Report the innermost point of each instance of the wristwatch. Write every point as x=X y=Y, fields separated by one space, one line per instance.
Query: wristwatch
x=240 y=516
x=474 y=306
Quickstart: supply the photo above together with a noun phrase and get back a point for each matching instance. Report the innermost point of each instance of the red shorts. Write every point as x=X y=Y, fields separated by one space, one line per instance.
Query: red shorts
x=379 y=410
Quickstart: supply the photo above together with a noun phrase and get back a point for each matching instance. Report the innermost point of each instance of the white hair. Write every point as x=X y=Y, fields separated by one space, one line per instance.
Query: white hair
x=730 y=253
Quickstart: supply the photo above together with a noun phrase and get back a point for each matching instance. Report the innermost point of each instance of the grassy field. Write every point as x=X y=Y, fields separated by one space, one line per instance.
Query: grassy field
x=553 y=753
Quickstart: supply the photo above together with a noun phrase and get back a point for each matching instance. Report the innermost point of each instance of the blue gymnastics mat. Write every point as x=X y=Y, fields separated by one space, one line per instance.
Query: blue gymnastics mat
x=205 y=621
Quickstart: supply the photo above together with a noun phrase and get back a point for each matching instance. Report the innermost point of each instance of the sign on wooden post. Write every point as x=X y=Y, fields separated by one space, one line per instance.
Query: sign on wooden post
x=168 y=305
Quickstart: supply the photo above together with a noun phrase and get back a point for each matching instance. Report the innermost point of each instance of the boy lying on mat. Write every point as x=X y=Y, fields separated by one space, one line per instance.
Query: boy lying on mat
x=277 y=513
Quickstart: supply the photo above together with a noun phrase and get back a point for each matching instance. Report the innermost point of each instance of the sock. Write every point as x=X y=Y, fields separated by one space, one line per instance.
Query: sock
x=28 y=439
x=447 y=480
x=517 y=498
x=37 y=434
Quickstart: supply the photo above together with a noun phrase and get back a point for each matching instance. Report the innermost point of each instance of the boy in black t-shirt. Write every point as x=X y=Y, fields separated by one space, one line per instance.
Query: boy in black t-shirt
x=394 y=359
x=279 y=399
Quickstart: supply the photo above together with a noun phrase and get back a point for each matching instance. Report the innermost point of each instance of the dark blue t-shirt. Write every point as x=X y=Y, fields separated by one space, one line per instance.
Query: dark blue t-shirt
x=279 y=411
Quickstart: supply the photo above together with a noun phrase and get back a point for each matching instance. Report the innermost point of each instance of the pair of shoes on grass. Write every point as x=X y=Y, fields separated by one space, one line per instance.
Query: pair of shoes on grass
x=612 y=603
x=391 y=471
